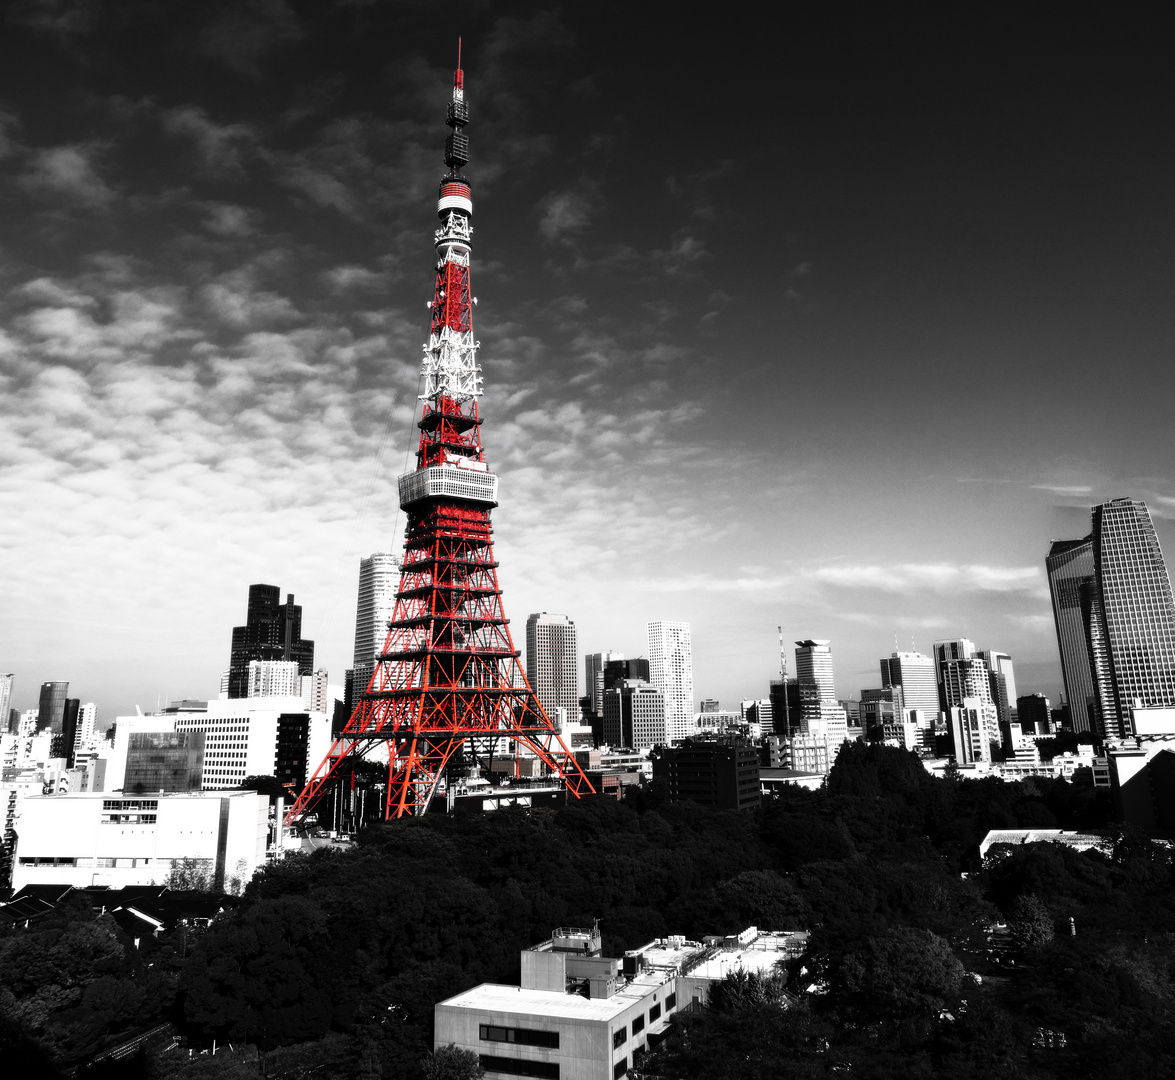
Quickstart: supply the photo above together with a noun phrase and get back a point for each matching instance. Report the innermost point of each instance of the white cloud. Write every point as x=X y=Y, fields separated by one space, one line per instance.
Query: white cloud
x=68 y=171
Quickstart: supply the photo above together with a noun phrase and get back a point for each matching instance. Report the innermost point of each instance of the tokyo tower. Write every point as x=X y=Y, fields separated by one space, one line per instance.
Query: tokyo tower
x=447 y=682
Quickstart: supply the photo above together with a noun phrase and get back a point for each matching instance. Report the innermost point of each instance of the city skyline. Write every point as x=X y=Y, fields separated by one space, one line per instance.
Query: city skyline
x=210 y=333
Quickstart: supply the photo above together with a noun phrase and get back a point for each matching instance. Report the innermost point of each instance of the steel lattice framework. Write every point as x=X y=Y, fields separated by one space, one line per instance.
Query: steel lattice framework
x=448 y=680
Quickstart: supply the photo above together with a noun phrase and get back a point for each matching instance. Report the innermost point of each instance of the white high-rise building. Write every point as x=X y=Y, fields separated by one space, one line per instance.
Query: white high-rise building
x=379 y=577
x=5 y=699
x=316 y=692
x=1002 y=680
x=671 y=670
x=820 y=712
x=552 y=663
x=87 y=718
x=274 y=678
x=914 y=673
x=28 y=722
x=974 y=726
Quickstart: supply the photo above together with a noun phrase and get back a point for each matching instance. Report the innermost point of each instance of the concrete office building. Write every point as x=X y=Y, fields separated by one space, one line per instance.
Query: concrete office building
x=274 y=678
x=1034 y=714
x=593 y=675
x=671 y=670
x=164 y=761
x=1114 y=612
x=87 y=722
x=819 y=713
x=242 y=737
x=272 y=631
x=974 y=726
x=258 y=737
x=721 y=772
x=1001 y=682
x=119 y=840
x=634 y=716
x=578 y=1015
x=316 y=692
x=552 y=663
x=914 y=673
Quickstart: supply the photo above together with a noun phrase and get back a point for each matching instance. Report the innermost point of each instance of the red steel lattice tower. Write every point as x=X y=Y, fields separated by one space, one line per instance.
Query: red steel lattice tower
x=447 y=682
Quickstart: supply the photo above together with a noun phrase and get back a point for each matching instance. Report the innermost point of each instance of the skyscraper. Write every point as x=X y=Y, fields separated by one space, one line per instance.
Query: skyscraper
x=1002 y=681
x=671 y=670
x=593 y=675
x=272 y=631
x=1077 y=614
x=634 y=715
x=379 y=576
x=51 y=707
x=552 y=664
x=914 y=673
x=6 y=701
x=1119 y=618
x=820 y=714
x=87 y=720
x=960 y=673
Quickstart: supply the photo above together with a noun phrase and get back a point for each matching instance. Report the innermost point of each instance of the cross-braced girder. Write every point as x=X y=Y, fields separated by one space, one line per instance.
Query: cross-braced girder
x=448 y=678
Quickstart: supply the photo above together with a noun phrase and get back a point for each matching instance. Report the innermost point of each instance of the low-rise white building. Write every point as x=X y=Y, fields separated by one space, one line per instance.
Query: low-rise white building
x=578 y=1015
x=107 y=838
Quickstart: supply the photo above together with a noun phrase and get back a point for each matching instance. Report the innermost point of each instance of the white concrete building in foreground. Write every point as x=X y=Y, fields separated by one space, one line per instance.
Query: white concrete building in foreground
x=107 y=838
x=582 y=1016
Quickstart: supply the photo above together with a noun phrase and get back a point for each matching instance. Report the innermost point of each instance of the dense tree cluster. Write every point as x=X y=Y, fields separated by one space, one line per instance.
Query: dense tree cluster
x=333 y=962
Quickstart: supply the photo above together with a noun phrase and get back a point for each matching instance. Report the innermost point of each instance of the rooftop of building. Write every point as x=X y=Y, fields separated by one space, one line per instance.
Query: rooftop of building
x=648 y=968
x=169 y=796
x=1081 y=841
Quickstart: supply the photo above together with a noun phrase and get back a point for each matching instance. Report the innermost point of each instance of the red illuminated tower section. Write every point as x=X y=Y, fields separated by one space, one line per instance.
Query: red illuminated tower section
x=448 y=686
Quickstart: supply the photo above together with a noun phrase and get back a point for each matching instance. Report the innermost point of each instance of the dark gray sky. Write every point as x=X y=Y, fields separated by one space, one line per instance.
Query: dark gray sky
x=830 y=323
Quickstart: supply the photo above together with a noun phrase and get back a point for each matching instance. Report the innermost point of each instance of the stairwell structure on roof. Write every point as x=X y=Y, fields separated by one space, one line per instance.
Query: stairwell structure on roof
x=447 y=687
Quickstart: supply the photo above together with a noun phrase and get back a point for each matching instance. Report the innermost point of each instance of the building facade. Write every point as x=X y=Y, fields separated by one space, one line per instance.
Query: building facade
x=914 y=673
x=634 y=716
x=1001 y=681
x=1115 y=615
x=379 y=577
x=272 y=631
x=819 y=712
x=123 y=839
x=974 y=726
x=6 y=682
x=274 y=678
x=552 y=664
x=671 y=670
x=715 y=772
x=51 y=706
x=158 y=761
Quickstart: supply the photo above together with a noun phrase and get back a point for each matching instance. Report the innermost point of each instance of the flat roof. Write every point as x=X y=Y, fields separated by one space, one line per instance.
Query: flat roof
x=494 y=997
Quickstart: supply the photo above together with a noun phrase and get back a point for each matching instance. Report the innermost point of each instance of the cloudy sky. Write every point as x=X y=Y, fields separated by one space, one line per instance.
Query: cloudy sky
x=832 y=326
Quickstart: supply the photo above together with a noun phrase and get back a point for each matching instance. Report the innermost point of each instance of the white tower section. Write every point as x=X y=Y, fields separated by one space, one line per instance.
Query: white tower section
x=671 y=670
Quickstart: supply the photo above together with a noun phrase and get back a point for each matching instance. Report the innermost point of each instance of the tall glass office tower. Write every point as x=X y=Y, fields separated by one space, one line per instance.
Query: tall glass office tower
x=1115 y=618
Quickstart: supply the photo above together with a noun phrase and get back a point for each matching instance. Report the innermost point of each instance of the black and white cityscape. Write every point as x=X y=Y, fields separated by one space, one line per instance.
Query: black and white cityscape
x=739 y=644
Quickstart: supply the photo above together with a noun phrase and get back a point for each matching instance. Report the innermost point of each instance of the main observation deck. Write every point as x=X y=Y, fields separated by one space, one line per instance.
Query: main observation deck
x=449 y=481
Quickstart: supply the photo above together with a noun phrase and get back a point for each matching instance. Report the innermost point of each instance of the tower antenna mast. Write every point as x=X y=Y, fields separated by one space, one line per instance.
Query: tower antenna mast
x=783 y=684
